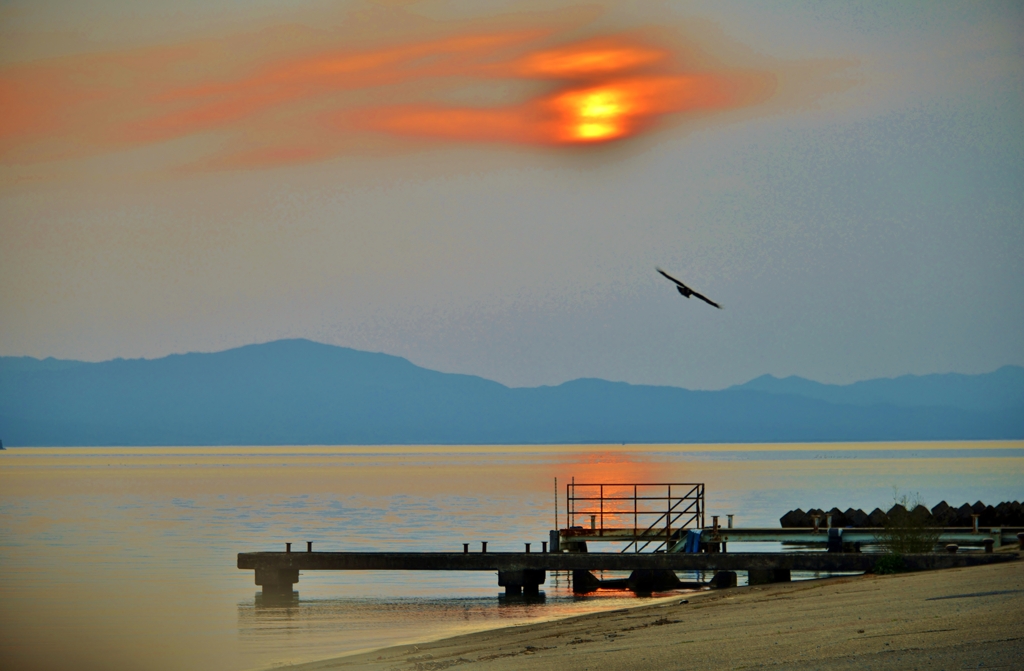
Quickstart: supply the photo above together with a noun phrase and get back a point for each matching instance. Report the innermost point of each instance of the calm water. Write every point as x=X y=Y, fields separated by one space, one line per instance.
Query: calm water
x=124 y=558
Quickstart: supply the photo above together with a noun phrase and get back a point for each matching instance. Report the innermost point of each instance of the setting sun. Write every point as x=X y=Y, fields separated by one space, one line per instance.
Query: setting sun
x=598 y=114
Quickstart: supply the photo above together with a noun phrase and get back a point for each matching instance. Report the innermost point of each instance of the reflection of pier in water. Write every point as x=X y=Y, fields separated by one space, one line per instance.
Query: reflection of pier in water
x=659 y=528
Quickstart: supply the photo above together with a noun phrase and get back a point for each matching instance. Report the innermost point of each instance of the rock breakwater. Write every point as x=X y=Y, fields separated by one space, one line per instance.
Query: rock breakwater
x=1006 y=514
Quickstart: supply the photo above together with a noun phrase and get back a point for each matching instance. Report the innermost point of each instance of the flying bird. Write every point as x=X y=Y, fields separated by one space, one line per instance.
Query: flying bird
x=687 y=291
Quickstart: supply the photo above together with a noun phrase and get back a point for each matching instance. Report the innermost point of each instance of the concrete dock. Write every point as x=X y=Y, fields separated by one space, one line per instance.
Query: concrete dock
x=524 y=572
x=965 y=537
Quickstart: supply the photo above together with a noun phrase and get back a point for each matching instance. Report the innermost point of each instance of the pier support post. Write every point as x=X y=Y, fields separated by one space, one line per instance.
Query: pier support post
x=649 y=580
x=277 y=580
x=572 y=546
x=835 y=539
x=763 y=576
x=723 y=579
x=584 y=581
x=522 y=581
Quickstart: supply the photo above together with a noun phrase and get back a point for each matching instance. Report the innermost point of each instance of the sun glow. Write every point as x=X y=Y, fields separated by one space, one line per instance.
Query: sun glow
x=589 y=60
x=274 y=110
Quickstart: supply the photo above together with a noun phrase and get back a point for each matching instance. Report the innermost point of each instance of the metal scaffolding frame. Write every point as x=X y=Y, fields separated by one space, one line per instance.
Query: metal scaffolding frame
x=659 y=511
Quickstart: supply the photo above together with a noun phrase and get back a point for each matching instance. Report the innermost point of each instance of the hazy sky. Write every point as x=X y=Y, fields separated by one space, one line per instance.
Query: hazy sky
x=487 y=187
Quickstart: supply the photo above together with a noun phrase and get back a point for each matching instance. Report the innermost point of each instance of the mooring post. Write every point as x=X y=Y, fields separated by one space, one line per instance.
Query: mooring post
x=309 y=546
x=988 y=545
x=544 y=547
x=287 y=547
x=465 y=548
x=951 y=548
x=527 y=547
x=483 y=545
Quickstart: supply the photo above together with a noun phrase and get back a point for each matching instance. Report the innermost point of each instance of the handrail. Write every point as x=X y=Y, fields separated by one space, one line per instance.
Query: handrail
x=582 y=499
x=668 y=527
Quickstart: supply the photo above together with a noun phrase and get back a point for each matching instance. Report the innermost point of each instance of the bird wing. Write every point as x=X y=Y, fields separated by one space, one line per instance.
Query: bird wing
x=706 y=300
x=670 y=277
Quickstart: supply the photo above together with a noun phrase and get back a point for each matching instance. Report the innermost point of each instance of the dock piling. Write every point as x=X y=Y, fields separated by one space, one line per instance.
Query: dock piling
x=522 y=581
x=465 y=548
x=309 y=546
x=287 y=547
x=544 y=547
x=835 y=540
x=483 y=546
x=276 y=580
x=584 y=582
x=527 y=547
x=762 y=576
x=723 y=579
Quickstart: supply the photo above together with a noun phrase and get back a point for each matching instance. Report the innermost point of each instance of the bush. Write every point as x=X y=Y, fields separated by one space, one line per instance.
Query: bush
x=890 y=563
x=907 y=530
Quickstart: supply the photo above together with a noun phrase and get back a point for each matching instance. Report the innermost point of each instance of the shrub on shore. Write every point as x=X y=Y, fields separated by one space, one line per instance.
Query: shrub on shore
x=909 y=527
x=890 y=563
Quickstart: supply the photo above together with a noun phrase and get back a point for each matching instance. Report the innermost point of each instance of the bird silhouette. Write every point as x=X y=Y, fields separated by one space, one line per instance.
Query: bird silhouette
x=687 y=291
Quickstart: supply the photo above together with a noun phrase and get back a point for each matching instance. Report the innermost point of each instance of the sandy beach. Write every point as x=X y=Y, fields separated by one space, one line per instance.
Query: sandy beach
x=953 y=619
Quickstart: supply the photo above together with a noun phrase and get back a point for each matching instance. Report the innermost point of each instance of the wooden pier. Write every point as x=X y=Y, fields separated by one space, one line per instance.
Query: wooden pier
x=965 y=537
x=653 y=522
x=524 y=572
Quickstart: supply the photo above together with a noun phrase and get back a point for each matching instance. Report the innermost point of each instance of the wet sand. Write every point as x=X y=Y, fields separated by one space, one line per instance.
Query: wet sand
x=958 y=618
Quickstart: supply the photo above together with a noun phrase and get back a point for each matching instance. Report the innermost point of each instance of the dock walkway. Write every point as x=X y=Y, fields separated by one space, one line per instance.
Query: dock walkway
x=277 y=572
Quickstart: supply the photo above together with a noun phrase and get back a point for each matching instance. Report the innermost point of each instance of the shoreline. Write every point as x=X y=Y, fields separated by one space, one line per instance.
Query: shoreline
x=962 y=616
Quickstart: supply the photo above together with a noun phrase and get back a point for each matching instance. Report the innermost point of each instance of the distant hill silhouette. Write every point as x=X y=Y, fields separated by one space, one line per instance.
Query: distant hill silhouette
x=1000 y=390
x=294 y=392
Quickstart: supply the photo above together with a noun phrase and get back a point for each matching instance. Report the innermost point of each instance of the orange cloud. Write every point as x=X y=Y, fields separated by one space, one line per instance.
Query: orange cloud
x=271 y=108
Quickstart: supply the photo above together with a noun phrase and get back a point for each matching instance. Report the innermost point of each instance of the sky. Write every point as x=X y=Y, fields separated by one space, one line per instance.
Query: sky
x=487 y=188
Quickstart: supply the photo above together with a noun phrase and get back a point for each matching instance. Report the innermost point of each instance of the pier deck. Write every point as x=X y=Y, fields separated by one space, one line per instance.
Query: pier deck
x=965 y=536
x=278 y=571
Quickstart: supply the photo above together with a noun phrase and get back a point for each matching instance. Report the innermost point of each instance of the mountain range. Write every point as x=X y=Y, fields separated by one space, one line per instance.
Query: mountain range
x=298 y=392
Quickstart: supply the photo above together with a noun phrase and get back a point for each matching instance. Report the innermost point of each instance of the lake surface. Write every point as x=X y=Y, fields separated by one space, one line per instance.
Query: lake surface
x=124 y=558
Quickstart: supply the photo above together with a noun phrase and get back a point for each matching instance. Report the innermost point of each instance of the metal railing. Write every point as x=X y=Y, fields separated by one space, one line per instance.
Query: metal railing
x=652 y=512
